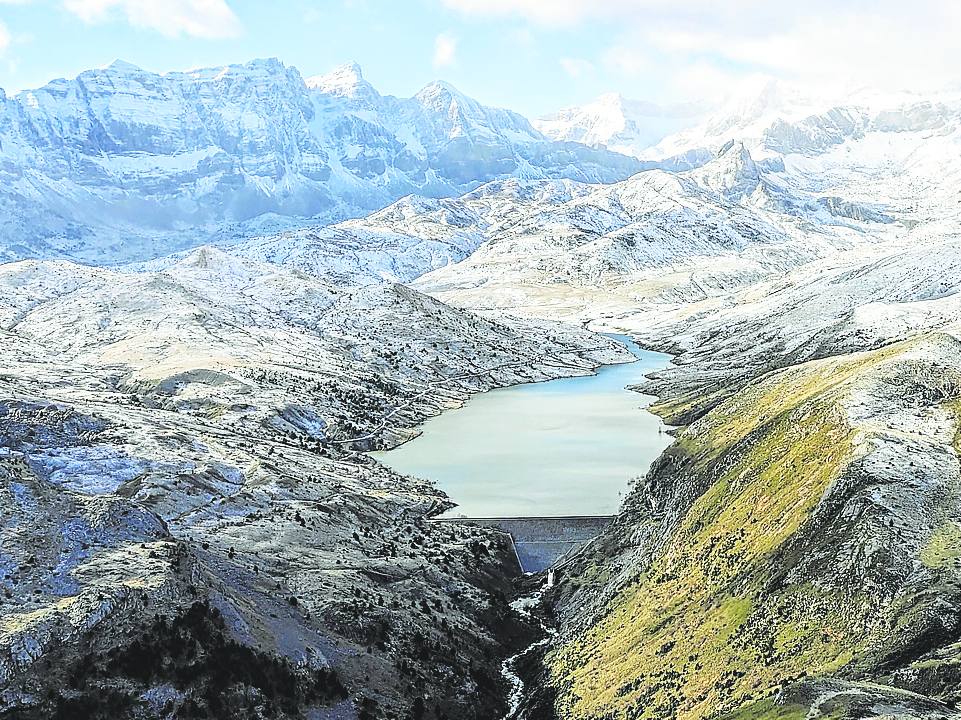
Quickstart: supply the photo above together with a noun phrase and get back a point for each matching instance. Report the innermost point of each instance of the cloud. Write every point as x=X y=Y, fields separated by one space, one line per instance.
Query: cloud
x=888 y=44
x=577 y=67
x=445 y=50
x=197 y=18
x=5 y=38
x=556 y=13
x=708 y=85
x=896 y=48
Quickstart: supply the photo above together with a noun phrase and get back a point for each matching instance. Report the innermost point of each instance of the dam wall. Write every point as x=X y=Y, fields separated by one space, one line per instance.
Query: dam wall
x=542 y=541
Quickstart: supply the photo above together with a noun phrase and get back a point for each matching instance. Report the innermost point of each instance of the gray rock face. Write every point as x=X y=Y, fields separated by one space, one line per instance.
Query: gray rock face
x=817 y=133
x=120 y=163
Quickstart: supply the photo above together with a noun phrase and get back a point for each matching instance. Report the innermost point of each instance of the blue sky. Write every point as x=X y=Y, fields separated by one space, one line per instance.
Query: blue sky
x=500 y=60
x=534 y=56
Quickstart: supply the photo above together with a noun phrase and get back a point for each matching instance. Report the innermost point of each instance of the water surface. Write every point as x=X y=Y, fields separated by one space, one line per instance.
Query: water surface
x=563 y=447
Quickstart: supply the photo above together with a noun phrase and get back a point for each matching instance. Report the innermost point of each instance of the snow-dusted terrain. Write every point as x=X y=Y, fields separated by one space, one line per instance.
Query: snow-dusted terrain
x=788 y=183
x=620 y=124
x=658 y=238
x=565 y=248
x=321 y=267
x=120 y=163
x=184 y=439
x=201 y=330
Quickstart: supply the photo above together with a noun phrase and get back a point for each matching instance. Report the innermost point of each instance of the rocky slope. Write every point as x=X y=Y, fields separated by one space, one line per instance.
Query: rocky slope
x=651 y=242
x=852 y=301
x=120 y=163
x=794 y=554
x=179 y=465
x=184 y=527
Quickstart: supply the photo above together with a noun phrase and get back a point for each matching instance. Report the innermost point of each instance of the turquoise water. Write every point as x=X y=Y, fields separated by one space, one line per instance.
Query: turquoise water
x=562 y=447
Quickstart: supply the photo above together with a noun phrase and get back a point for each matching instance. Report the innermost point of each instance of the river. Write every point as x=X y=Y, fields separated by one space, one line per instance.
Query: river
x=562 y=447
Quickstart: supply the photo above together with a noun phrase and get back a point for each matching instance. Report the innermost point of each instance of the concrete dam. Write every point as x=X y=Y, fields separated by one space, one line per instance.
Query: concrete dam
x=540 y=542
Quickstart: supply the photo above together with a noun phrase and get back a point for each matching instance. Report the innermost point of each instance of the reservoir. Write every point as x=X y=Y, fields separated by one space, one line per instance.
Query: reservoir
x=557 y=448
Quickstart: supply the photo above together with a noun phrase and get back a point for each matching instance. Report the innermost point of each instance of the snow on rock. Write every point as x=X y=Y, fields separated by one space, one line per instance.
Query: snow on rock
x=617 y=123
x=180 y=441
x=120 y=163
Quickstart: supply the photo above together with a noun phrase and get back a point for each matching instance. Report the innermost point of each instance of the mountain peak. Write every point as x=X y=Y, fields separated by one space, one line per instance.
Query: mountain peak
x=270 y=69
x=438 y=87
x=615 y=122
x=732 y=173
x=271 y=66
x=342 y=75
x=440 y=94
x=344 y=81
x=735 y=149
x=611 y=99
x=270 y=62
x=757 y=104
x=123 y=66
x=352 y=67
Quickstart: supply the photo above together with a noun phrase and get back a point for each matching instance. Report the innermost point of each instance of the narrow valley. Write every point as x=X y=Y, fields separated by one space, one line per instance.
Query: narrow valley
x=349 y=396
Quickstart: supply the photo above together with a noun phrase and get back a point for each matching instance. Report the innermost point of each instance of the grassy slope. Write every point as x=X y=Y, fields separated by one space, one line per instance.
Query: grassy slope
x=712 y=625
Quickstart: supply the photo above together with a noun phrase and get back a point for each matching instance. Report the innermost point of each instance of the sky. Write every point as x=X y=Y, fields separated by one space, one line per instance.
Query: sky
x=533 y=56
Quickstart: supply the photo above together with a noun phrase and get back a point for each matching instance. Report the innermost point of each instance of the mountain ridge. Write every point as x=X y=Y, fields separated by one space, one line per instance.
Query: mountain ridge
x=120 y=163
x=618 y=123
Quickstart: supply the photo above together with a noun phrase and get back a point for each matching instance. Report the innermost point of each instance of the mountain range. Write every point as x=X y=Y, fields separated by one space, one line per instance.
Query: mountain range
x=319 y=268
x=120 y=163
x=619 y=123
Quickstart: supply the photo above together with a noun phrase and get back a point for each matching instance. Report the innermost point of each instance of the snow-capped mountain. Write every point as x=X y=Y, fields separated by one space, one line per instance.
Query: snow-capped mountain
x=777 y=118
x=882 y=158
x=618 y=123
x=120 y=163
x=657 y=236
x=410 y=237
x=792 y=180
x=563 y=248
